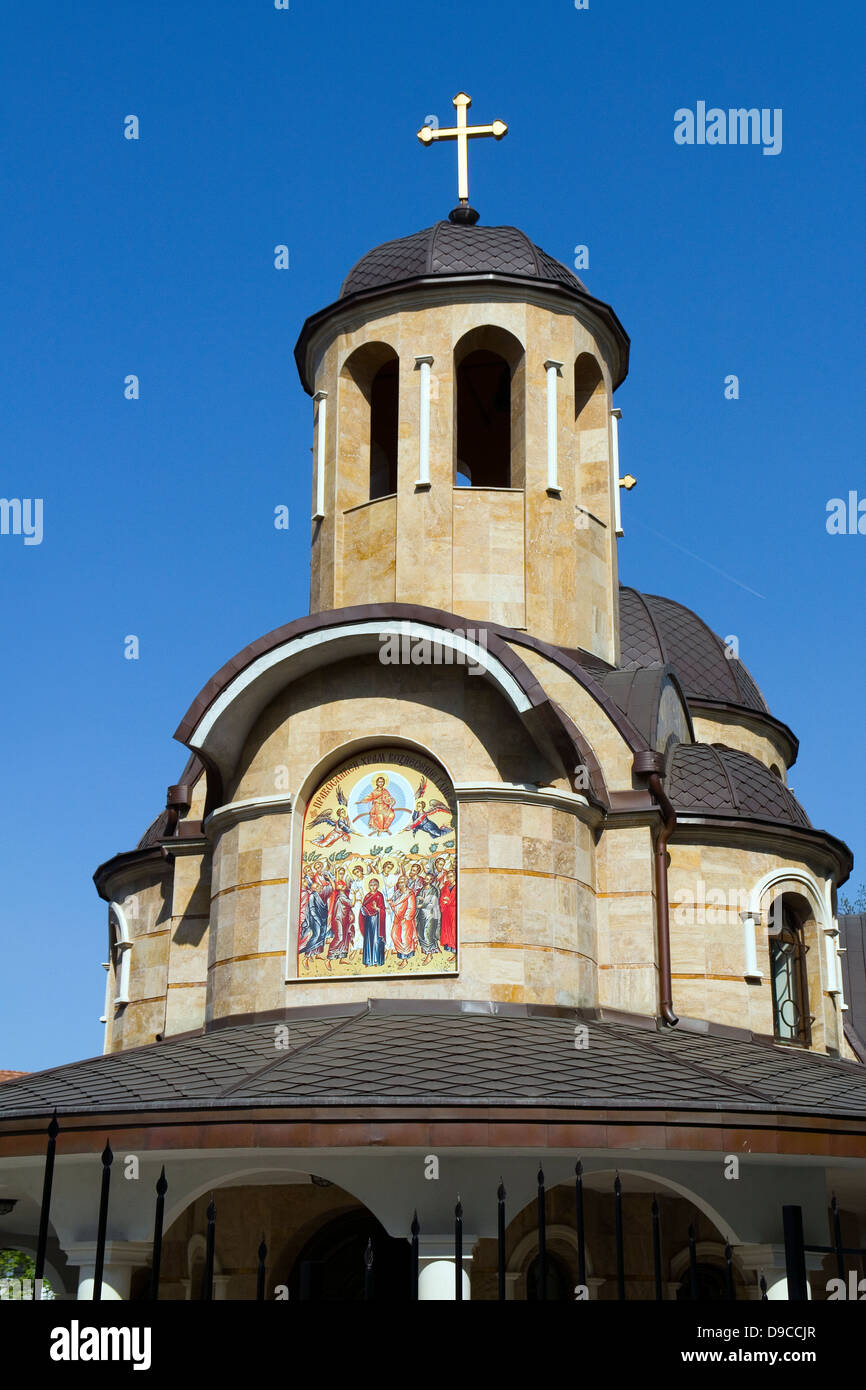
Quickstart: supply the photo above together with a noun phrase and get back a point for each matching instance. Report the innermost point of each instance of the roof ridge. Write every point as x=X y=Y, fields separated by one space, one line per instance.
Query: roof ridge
x=294 y=1052
x=642 y=599
x=696 y=1066
x=722 y=646
x=735 y=800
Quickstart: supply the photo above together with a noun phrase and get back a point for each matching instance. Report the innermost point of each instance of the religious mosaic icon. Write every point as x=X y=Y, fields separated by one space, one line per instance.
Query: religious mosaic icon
x=379 y=871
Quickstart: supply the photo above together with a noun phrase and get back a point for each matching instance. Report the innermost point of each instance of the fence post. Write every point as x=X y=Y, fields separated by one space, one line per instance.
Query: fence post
x=458 y=1251
x=47 y=1181
x=657 y=1250
x=368 y=1270
x=156 y=1256
x=260 y=1271
x=102 y=1227
x=416 y=1231
x=542 y=1238
x=837 y=1239
x=207 y=1292
x=581 y=1235
x=693 y=1265
x=500 y=1232
x=620 y=1258
x=729 y=1272
x=795 y=1254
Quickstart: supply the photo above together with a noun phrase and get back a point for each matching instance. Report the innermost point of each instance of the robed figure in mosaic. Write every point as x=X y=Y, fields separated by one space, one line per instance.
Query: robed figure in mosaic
x=373 y=925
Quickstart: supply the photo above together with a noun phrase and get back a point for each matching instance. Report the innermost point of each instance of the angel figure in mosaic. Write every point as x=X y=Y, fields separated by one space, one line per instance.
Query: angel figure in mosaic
x=421 y=816
x=340 y=831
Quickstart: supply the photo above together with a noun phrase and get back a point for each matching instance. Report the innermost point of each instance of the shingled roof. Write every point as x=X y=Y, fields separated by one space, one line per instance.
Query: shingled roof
x=713 y=780
x=385 y=1053
x=448 y=248
x=655 y=629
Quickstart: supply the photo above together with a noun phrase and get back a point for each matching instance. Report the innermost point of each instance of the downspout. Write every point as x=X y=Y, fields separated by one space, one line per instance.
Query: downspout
x=650 y=764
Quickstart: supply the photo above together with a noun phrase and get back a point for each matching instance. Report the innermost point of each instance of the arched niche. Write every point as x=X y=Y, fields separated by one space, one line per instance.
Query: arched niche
x=489 y=409
x=374 y=869
x=368 y=425
x=590 y=394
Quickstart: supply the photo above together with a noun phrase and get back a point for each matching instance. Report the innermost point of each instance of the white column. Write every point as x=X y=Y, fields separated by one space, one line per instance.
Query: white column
x=436 y=1279
x=553 y=370
x=423 y=364
x=750 y=947
x=121 y=1258
x=615 y=417
x=320 y=399
x=834 y=965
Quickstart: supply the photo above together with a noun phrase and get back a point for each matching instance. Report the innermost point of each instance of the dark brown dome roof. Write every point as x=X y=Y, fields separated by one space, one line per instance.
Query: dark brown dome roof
x=654 y=629
x=448 y=248
x=450 y=252
x=714 y=780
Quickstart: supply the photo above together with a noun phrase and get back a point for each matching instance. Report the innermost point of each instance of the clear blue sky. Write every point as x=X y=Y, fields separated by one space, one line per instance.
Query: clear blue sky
x=155 y=257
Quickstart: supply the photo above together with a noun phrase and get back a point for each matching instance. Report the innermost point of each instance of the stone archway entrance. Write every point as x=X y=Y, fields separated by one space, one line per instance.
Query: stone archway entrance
x=331 y=1265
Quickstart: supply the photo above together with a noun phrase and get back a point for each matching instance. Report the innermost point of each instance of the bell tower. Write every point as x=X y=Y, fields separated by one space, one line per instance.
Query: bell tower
x=464 y=454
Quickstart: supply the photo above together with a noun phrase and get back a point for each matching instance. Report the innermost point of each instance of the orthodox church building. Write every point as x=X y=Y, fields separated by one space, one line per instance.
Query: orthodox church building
x=486 y=864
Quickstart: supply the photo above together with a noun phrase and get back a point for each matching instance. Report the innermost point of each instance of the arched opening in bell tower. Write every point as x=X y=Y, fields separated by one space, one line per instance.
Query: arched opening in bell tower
x=384 y=394
x=489 y=410
x=368 y=424
x=590 y=398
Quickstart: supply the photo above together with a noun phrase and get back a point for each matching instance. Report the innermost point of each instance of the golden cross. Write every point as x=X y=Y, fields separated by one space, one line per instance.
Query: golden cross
x=462 y=133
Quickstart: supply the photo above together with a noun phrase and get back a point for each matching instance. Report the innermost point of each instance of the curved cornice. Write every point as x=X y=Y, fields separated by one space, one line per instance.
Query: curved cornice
x=823 y=851
x=756 y=720
x=248 y=682
x=423 y=290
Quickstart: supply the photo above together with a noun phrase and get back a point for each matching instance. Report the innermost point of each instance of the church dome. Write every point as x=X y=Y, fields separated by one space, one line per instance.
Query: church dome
x=446 y=262
x=714 y=780
x=452 y=248
x=654 y=629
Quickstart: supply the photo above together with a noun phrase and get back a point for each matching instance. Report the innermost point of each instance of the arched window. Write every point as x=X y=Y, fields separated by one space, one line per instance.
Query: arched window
x=489 y=431
x=368 y=425
x=483 y=421
x=791 y=1020
x=383 y=430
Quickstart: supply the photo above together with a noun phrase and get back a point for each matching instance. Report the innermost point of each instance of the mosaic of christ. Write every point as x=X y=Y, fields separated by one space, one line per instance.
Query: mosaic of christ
x=379 y=872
